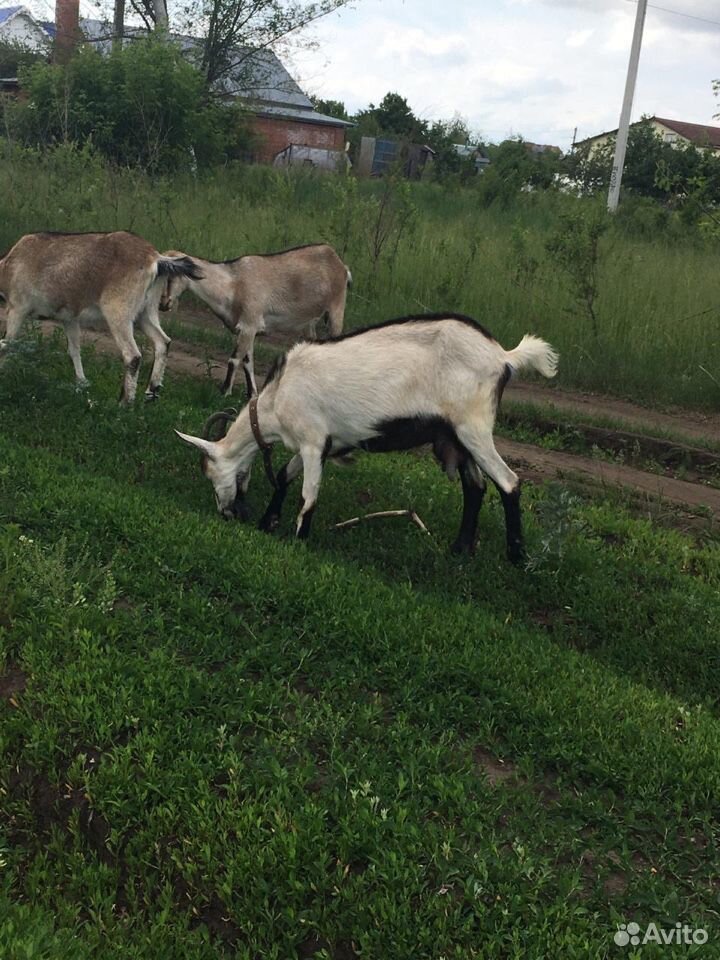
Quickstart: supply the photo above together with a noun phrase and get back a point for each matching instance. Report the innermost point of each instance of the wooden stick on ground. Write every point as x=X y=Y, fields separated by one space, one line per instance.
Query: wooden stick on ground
x=410 y=514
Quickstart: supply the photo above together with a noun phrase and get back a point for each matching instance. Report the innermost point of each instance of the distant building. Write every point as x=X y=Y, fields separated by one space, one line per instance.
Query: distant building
x=472 y=153
x=17 y=25
x=541 y=148
x=284 y=117
x=378 y=156
x=670 y=131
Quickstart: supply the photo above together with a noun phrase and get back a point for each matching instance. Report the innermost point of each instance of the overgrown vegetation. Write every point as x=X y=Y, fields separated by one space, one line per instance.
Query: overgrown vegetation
x=142 y=105
x=422 y=246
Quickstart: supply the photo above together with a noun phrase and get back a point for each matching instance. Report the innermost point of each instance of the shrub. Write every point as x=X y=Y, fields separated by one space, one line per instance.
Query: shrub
x=142 y=105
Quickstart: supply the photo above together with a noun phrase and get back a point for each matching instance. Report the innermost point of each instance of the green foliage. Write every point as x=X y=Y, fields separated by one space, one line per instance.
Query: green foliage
x=675 y=174
x=141 y=105
x=15 y=57
x=331 y=108
x=515 y=167
x=229 y=743
x=574 y=248
x=657 y=307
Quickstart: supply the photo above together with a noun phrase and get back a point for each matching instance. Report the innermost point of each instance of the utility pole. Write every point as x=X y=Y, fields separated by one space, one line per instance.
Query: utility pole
x=118 y=24
x=622 y=134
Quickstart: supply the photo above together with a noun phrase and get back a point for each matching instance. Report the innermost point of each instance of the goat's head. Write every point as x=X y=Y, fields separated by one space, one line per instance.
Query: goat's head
x=230 y=478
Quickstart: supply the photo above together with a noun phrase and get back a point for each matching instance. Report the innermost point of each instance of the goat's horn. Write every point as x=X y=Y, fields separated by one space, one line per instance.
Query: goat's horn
x=222 y=416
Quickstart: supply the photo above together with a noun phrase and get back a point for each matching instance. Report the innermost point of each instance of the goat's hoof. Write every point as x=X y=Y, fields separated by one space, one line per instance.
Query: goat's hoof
x=152 y=394
x=517 y=556
x=462 y=546
x=81 y=385
x=269 y=524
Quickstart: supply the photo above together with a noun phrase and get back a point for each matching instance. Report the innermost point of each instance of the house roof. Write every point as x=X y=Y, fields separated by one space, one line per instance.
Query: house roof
x=304 y=115
x=6 y=13
x=257 y=76
x=254 y=75
x=697 y=133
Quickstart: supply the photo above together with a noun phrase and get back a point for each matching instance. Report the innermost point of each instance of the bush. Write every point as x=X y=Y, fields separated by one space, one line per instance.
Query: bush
x=142 y=105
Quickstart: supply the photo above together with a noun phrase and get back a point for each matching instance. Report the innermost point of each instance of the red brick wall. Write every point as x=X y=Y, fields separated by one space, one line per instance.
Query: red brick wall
x=276 y=134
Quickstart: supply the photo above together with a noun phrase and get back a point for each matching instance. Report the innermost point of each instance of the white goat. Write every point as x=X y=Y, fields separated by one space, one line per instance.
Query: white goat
x=430 y=379
x=286 y=293
x=76 y=277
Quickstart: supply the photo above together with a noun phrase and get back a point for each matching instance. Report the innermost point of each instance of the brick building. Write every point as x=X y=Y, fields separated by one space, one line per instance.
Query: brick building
x=289 y=129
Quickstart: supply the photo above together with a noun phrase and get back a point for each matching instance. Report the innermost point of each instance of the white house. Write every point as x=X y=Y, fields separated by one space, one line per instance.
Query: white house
x=17 y=25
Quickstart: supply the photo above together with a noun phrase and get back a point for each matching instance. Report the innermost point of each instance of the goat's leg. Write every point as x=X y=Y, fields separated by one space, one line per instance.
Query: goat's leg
x=249 y=371
x=480 y=445
x=312 y=463
x=473 y=486
x=285 y=476
x=121 y=329
x=72 y=332
x=243 y=344
x=14 y=319
x=149 y=323
x=336 y=314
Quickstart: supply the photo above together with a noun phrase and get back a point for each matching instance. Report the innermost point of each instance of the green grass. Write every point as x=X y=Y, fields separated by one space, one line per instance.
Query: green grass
x=231 y=743
x=658 y=305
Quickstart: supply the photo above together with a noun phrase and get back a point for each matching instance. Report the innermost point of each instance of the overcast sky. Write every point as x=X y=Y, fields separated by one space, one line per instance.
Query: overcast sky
x=538 y=68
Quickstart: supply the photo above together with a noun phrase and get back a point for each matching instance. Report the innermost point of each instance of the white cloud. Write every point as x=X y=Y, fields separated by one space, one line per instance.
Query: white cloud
x=579 y=38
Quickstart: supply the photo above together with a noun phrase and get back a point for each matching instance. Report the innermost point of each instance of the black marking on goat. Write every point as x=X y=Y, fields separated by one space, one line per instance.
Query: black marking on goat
x=134 y=365
x=327 y=447
x=275 y=253
x=304 y=530
x=248 y=380
x=276 y=370
x=502 y=383
x=179 y=267
x=415 y=318
x=271 y=517
x=513 y=524
x=405 y=433
x=81 y=233
x=228 y=379
x=473 y=495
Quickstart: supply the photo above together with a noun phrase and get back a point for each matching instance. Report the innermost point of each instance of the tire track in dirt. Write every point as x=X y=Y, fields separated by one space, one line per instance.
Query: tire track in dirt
x=540 y=463
x=554 y=400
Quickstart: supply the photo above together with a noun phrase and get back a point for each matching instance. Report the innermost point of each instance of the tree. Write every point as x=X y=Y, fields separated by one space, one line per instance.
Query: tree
x=393 y=117
x=141 y=105
x=15 y=56
x=231 y=32
x=331 y=108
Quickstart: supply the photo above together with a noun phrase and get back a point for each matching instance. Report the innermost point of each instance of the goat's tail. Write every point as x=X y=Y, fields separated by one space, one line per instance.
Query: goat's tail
x=534 y=353
x=178 y=267
x=349 y=280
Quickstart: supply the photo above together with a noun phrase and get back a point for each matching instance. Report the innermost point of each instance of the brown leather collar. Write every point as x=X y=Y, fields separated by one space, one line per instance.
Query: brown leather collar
x=261 y=441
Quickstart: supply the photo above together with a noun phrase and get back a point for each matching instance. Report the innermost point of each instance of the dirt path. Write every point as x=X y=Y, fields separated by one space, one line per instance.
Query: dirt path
x=556 y=464
x=687 y=424
x=535 y=461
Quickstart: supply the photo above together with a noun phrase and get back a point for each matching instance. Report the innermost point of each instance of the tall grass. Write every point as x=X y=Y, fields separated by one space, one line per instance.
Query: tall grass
x=658 y=303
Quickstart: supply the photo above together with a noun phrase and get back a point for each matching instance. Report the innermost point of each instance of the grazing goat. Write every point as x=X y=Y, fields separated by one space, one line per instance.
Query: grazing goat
x=427 y=379
x=286 y=292
x=74 y=277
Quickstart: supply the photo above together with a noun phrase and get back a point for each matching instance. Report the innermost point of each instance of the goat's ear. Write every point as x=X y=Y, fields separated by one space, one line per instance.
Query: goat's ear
x=207 y=447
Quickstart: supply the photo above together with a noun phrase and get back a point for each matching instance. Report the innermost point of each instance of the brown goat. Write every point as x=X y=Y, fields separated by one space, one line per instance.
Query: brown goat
x=74 y=277
x=286 y=292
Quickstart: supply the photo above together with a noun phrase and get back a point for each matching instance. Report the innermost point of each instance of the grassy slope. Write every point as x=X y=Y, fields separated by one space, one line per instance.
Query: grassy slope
x=282 y=744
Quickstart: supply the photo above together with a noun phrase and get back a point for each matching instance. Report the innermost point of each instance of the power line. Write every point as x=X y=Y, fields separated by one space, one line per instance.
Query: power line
x=678 y=13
